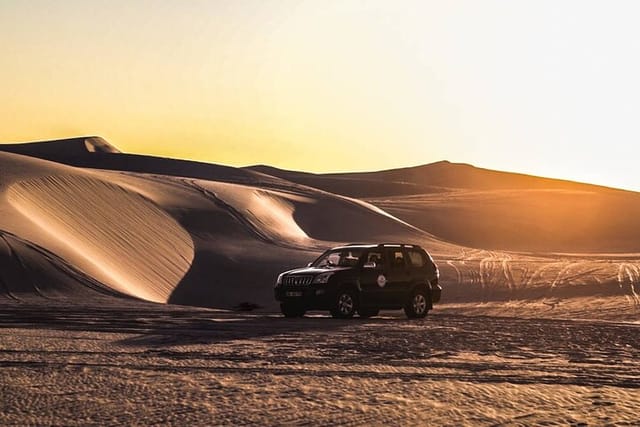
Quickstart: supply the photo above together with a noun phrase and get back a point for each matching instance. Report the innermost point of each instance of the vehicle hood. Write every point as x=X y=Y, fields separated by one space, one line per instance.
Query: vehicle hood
x=314 y=271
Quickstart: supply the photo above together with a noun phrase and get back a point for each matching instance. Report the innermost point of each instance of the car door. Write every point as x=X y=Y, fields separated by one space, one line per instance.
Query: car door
x=397 y=277
x=372 y=279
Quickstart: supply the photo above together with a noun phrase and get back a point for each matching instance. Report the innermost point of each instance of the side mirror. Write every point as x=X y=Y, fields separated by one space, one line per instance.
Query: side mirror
x=370 y=265
x=309 y=264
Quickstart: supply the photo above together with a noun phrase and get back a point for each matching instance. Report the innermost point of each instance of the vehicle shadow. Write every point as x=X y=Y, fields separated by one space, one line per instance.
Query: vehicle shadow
x=213 y=331
x=164 y=325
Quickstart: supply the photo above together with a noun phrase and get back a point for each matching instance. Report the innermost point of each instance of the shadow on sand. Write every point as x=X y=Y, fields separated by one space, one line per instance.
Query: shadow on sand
x=162 y=325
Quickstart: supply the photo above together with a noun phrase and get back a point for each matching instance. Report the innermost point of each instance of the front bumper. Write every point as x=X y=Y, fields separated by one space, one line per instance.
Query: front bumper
x=317 y=297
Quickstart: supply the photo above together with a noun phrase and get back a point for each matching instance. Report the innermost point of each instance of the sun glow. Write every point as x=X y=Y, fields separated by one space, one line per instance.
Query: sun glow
x=543 y=87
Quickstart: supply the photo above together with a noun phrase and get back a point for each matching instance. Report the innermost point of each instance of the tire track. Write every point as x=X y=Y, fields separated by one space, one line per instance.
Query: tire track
x=632 y=275
x=457 y=270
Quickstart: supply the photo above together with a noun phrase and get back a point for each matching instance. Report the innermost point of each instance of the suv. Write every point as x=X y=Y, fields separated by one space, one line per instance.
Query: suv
x=364 y=279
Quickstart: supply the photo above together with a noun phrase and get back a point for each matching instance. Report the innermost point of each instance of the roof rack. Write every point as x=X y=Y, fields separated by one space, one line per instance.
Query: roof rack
x=402 y=245
x=388 y=244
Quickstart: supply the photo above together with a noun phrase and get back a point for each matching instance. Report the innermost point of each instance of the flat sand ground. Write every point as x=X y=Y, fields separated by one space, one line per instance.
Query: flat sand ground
x=132 y=363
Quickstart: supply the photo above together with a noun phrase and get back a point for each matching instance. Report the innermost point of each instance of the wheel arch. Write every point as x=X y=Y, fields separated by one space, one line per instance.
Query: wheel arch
x=352 y=286
x=426 y=286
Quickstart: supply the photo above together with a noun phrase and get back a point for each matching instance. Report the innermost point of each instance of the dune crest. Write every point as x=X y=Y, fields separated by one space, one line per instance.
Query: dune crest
x=269 y=213
x=137 y=247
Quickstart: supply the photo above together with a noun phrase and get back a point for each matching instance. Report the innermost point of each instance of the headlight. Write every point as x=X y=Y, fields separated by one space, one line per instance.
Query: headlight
x=322 y=278
x=279 y=281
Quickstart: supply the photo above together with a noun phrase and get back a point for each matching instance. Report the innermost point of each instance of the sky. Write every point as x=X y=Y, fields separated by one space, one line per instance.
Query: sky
x=542 y=87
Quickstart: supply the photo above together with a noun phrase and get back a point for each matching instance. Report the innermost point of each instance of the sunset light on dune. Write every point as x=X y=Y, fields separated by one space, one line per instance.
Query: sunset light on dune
x=319 y=212
x=541 y=87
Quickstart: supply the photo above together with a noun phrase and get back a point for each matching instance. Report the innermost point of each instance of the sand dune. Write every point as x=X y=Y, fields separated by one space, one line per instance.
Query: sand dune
x=76 y=152
x=63 y=148
x=221 y=242
x=29 y=272
x=527 y=220
x=426 y=179
x=131 y=244
x=494 y=210
x=114 y=235
x=178 y=239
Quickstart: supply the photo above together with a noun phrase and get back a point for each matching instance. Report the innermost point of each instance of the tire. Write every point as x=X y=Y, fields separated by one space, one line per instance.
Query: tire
x=292 y=310
x=345 y=304
x=365 y=313
x=418 y=305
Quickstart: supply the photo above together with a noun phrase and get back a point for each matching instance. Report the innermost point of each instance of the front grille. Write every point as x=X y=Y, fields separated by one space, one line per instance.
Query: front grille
x=298 y=280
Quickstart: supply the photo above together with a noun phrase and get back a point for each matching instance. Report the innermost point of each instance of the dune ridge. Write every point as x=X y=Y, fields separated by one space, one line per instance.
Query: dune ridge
x=62 y=148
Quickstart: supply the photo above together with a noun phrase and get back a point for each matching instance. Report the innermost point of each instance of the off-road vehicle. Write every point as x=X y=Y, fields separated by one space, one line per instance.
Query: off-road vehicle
x=362 y=278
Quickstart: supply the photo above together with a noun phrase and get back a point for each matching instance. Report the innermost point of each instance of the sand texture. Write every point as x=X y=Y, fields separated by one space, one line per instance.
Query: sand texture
x=121 y=277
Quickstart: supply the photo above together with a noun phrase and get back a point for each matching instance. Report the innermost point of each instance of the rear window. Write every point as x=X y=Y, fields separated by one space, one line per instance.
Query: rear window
x=417 y=258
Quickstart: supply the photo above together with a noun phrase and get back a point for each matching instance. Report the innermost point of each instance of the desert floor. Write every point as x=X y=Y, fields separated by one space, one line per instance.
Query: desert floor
x=133 y=362
x=541 y=293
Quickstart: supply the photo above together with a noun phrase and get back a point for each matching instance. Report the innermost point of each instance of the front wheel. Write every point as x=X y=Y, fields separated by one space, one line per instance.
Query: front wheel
x=344 y=306
x=292 y=310
x=418 y=305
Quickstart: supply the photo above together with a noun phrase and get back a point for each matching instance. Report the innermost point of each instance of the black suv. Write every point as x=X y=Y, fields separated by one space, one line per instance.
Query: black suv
x=362 y=278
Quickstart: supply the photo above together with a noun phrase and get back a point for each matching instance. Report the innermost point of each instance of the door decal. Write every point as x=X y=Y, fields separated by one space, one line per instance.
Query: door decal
x=382 y=280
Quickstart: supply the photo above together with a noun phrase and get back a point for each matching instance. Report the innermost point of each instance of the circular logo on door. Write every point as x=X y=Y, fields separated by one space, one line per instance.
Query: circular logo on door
x=382 y=280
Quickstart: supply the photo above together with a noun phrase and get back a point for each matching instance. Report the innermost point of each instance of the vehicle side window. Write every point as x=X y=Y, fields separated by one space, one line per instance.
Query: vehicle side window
x=417 y=258
x=375 y=257
x=396 y=259
x=350 y=258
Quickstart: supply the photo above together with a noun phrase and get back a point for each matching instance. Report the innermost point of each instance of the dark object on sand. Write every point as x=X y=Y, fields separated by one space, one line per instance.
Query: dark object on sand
x=246 y=306
x=362 y=278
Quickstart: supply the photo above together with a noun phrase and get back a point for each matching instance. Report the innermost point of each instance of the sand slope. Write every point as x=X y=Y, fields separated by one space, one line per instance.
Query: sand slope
x=135 y=246
x=180 y=239
x=114 y=235
x=494 y=210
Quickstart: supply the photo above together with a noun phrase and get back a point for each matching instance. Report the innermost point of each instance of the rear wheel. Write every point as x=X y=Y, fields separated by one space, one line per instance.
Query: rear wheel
x=368 y=312
x=292 y=310
x=344 y=306
x=418 y=305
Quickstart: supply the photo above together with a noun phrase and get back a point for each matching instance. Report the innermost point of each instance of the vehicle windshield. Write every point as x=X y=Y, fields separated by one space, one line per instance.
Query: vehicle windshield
x=339 y=258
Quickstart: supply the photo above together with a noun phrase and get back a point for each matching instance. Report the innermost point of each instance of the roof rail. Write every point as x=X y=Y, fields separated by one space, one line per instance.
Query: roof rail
x=402 y=245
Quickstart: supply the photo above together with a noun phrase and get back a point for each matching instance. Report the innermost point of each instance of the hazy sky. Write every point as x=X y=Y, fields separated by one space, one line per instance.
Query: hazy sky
x=544 y=87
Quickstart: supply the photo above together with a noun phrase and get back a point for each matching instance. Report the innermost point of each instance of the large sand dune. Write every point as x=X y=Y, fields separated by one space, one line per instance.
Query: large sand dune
x=114 y=235
x=162 y=238
x=153 y=232
x=494 y=210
